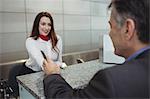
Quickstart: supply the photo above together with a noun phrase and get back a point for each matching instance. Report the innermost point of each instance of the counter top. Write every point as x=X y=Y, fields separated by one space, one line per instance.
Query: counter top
x=77 y=75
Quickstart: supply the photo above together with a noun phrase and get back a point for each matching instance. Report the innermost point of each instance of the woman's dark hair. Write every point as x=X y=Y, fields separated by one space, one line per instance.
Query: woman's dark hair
x=137 y=10
x=35 y=30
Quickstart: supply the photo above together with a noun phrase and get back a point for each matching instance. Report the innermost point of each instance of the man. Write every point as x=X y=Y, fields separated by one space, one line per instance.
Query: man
x=129 y=24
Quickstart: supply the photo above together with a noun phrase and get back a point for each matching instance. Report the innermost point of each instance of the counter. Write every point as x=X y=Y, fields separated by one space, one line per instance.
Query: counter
x=77 y=75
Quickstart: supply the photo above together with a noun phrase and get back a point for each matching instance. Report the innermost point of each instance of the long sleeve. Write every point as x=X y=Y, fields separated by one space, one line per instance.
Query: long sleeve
x=129 y=80
x=99 y=87
x=56 y=87
x=34 y=54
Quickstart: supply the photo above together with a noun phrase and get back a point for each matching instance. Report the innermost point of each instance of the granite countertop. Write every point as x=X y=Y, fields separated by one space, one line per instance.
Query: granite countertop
x=77 y=75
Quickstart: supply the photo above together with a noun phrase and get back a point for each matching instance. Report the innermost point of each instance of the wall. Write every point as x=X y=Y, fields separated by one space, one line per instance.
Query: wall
x=80 y=23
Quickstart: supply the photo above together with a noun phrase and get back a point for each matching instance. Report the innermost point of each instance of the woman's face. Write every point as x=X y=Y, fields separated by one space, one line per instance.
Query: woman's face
x=44 y=26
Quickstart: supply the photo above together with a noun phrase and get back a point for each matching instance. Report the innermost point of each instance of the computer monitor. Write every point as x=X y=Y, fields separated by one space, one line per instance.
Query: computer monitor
x=108 y=52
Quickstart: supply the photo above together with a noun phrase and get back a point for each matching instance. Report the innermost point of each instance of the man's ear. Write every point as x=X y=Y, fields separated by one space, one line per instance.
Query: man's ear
x=130 y=29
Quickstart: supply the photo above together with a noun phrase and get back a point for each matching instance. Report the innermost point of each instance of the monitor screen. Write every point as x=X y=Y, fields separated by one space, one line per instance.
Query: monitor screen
x=108 y=52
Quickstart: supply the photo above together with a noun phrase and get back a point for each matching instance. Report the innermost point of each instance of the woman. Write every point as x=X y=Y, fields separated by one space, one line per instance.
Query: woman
x=43 y=38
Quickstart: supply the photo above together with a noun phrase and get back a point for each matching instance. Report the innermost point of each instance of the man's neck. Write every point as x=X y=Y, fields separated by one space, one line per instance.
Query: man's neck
x=136 y=48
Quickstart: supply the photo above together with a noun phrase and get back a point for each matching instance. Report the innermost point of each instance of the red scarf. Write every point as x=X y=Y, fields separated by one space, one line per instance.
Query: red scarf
x=45 y=38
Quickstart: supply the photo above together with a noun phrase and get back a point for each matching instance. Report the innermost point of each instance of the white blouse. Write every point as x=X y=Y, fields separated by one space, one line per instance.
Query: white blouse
x=34 y=48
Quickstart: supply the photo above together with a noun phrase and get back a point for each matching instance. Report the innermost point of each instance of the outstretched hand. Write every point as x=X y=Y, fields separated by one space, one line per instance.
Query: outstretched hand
x=50 y=67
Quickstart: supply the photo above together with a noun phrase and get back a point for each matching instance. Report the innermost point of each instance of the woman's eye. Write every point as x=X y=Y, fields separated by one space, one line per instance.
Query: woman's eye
x=49 y=24
x=42 y=23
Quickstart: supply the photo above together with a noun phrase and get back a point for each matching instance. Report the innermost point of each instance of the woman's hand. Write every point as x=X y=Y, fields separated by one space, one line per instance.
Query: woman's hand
x=50 y=67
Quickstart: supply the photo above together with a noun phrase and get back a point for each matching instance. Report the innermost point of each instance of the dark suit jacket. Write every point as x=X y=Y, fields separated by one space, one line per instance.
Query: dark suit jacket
x=129 y=80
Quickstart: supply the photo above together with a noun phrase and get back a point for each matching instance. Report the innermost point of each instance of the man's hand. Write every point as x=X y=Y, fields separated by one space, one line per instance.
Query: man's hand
x=50 y=67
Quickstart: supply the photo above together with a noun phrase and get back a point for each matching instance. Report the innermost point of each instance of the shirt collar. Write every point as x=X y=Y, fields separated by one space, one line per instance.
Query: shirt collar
x=138 y=53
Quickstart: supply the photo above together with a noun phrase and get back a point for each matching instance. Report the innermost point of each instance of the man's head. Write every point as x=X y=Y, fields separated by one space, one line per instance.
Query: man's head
x=129 y=24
